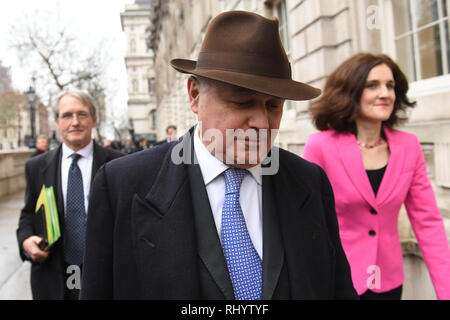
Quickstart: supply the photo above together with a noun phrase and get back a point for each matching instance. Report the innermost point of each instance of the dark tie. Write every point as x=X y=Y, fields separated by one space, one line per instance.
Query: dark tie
x=75 y=217
x=243 y=261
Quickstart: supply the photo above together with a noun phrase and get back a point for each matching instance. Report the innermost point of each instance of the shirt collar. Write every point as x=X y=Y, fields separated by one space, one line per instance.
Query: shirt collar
x=211 y=167
x=86 y=152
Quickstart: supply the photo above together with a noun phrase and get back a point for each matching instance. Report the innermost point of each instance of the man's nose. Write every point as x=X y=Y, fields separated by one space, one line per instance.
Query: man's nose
x=75 y=120
x=259 y=117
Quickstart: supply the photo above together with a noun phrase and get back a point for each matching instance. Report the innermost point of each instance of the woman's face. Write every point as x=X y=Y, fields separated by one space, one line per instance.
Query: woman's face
x=378 y=97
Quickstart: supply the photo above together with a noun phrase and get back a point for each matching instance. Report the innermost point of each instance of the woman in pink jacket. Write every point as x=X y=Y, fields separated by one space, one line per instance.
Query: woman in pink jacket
x=374 y=169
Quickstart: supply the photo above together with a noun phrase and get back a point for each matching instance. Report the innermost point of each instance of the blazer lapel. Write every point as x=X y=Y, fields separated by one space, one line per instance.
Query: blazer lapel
x=273 y=251
x=353 y=164
x=394 y=167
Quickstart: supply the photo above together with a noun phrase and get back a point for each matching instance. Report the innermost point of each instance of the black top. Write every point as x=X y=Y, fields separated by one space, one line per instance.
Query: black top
x=375 y=177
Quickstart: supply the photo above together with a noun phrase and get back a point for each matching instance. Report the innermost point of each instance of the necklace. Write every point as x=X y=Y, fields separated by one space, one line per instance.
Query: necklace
x=370 y=146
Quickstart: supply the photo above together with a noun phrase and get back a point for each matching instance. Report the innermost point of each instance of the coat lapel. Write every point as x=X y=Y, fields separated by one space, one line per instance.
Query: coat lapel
x=291 y=206
x=353 y=164
x=208 y=243
x=273 y=251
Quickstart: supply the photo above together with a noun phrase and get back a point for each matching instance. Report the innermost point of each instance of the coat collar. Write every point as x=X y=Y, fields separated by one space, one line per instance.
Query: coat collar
x=353 y=164
x=172 y=175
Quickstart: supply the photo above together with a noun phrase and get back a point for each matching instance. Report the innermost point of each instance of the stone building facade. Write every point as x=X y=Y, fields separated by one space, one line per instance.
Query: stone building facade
x=139 y=65
x=318 y=35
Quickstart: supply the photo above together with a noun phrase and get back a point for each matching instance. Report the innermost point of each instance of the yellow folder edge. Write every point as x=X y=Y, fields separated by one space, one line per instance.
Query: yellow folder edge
x=47 y=199
x=54 y=214
x=42 y=201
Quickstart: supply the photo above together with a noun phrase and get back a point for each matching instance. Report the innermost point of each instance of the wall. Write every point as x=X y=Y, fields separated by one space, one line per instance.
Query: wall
x=12 y=173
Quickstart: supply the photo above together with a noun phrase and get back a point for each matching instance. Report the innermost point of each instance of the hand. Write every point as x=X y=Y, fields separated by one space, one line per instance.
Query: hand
x=31 y=247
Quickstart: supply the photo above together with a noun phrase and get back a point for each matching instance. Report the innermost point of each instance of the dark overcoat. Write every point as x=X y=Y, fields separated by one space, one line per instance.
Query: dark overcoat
x=151 y=233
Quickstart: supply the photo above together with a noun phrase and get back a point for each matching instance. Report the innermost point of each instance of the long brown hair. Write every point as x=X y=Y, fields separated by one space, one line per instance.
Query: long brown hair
x=339 y=104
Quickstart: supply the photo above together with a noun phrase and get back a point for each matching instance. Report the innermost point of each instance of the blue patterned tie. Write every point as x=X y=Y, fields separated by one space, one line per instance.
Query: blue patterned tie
x=75 y=217
x=244 y=263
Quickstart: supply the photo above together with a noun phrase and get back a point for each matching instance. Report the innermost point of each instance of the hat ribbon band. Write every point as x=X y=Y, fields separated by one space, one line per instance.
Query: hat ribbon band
x=245 y=63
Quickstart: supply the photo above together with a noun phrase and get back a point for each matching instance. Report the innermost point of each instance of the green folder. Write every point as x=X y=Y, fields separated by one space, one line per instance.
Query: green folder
x=46 y=218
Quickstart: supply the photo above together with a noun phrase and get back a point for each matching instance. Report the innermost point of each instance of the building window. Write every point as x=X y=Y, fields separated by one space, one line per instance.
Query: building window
x=151 y=85
x=153 y=118
x=422 y=37
x=279 y=9
x=135 y=85
x=281 y=13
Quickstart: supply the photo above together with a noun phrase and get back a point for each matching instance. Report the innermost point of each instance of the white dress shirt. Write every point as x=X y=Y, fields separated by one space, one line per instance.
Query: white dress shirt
x=85 y=165
x=250 y=193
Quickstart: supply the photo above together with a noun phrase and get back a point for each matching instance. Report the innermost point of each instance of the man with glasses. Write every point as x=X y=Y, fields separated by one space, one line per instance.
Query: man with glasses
x=70 y=169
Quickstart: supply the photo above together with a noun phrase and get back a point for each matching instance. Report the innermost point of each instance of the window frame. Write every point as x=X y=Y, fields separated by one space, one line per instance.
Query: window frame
x=420 y=86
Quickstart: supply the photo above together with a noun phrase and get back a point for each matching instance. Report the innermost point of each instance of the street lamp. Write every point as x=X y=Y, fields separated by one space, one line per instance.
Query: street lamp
x=19 y=117
x=31 y=97
x=131 y=128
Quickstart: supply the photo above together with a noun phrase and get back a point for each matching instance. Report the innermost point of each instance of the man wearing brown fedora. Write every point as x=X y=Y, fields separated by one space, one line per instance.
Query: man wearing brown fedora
x=220 y=214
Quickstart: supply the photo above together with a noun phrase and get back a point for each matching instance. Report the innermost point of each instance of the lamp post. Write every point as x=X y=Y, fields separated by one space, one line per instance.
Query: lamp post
x=19 y=117
x=131 y=128
x=31 y=97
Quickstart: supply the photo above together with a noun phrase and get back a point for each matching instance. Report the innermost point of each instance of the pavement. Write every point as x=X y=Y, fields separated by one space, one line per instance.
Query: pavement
x=14 y=274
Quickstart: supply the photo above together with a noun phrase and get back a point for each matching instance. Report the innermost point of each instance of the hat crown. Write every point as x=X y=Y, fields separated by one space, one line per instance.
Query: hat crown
x=244 y=49
x=246 y=42
x=241 y=31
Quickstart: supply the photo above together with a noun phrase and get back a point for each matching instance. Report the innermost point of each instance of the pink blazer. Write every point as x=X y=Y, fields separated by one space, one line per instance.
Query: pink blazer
x=369 y=224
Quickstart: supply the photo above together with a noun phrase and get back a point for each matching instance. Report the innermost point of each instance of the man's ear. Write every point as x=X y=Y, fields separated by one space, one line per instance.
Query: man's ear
x=194 y=93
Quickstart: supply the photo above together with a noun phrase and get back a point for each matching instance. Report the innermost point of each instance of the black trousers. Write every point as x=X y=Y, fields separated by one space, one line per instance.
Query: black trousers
x=394 y=294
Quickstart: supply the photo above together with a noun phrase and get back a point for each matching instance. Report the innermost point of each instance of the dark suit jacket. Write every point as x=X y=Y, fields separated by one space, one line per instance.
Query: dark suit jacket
x=161 y=142
x=151 y=234
x=47 y=278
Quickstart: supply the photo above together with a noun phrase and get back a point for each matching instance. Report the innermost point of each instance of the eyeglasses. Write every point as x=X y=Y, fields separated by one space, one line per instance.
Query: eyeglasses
x=68 y=116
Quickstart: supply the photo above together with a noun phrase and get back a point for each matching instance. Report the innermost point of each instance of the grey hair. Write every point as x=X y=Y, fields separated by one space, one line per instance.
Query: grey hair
x=42 y=136
x=204 y=84
x=84 y=97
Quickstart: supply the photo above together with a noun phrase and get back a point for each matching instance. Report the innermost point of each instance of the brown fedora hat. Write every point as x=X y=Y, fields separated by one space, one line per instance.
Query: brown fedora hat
x=244 y=49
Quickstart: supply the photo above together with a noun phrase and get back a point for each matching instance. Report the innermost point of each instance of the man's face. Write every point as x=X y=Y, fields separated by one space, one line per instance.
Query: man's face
x=226 y=110
x=74 y=122
x=42 y=144
x=172 y=134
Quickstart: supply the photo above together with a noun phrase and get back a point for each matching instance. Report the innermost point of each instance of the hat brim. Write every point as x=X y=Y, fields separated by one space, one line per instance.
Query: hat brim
x=277 y=87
